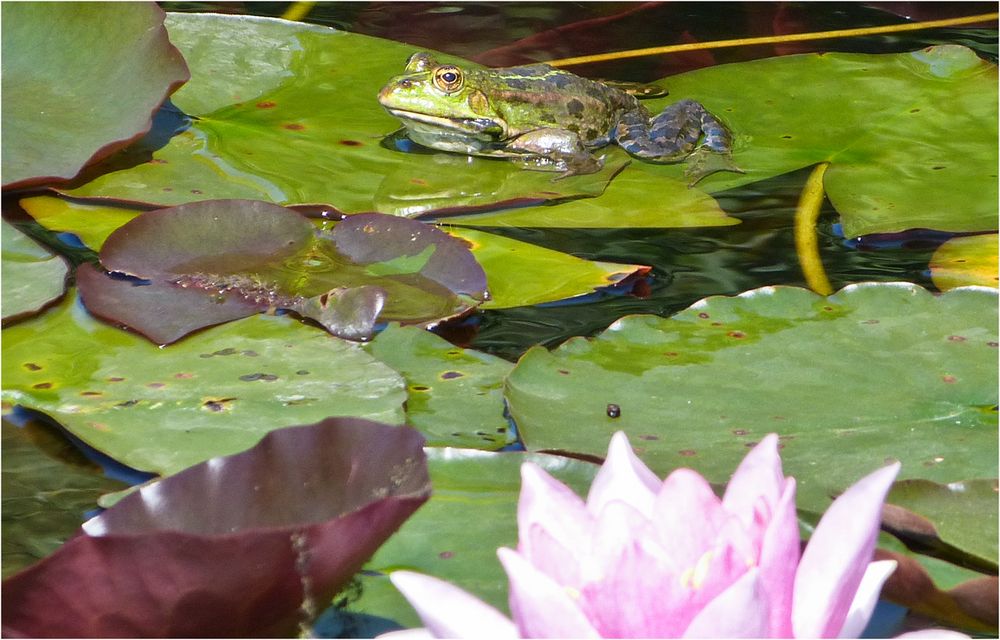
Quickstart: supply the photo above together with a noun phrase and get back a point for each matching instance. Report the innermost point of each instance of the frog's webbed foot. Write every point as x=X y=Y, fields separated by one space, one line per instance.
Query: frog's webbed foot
x=704 y=163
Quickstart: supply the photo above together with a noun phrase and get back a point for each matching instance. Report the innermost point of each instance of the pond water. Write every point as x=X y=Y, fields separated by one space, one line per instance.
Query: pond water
x=686 y=264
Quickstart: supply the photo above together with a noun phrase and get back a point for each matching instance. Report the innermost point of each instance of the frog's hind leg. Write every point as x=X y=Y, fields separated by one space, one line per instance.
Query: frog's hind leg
x=672 y=135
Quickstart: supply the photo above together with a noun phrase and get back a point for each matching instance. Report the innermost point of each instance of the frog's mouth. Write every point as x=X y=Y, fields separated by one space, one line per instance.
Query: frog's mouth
x=483 y=127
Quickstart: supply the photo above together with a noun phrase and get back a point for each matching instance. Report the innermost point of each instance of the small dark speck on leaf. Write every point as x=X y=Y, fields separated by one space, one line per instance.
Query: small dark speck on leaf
x=448 y=375
x=956 y=338
x=915 y=110
x=116 y=379
x=294 y=126
x=267 y=104
x=419 y=387
x=302 y=372
x=703 y=315
x=183 y=376
x=687 y=453
x=91 y=393
x=127 y=403
x=31 y=366
x=736 y=334
x=156 y=385
x=739 y=432
x=42 y=385
x=350 y=143
x=250 y=354
x=501 y=429
x=949 y=379
x=197 y=192
x=648 y=437
x=564 y=372
x=992 y=344
x=786 y=137
x=614 y=411
x=444 y=555
x=937 y=168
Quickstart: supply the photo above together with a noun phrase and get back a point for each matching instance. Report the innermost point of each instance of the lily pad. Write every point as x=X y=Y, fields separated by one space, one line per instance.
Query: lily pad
x=32 y=275
x=970 y=260
x=454 y=395
x=214 y=261
x=520 y=273
x=287 y=113
x=634 y=199
x=872 y=373
x=955 y=512
x=45 y=498
x=517 y=273
x=161 y=410
x=910 y=137
x=66 y=66
x=263 y=536
x=471 y=513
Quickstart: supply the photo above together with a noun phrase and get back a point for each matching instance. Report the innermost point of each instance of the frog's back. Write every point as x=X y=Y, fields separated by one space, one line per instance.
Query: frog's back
x=539 y=95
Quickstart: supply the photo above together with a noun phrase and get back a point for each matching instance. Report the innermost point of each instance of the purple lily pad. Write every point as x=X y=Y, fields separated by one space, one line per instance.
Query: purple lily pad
x=209 y=262
x=238 y=545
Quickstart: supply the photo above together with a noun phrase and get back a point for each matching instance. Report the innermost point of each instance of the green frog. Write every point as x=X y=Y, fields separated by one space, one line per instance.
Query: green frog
x=547 y=118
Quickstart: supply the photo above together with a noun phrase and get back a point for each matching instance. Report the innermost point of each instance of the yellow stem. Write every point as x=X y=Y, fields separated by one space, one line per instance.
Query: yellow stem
x=795 y=37
x=297 y=10
x=806 y=243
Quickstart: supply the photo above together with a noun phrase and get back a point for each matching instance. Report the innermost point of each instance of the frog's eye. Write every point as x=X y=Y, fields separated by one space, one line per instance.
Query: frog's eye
x=448 y=78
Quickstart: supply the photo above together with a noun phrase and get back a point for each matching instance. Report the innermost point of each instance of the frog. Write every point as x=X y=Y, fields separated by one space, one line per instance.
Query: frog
x=546 y=118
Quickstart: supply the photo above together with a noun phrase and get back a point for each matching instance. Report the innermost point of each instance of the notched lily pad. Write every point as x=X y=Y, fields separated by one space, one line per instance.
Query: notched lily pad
x=209 y=262
x=259 y=535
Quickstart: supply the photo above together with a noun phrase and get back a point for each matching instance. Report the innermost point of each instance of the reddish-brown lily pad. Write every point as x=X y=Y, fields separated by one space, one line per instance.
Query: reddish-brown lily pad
x=240 y=545
x=209 y=262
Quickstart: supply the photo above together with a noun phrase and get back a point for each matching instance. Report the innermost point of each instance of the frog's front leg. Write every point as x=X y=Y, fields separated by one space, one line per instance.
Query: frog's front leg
x=555 y=150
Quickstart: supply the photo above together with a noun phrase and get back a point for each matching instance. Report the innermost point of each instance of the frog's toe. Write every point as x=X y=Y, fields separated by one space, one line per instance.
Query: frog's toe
x=704 y=163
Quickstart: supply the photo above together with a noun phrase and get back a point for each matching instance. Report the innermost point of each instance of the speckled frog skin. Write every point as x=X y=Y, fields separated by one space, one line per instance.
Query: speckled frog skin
x=547 y=118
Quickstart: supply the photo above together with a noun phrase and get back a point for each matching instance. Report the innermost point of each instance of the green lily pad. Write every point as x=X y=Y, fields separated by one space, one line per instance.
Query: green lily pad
x=161 y=410
x=911 y=137
x=287 y=113
x=634 y=199
x=44 y=499
x=455 y=535
x=969 y=260
x=454 y=395
x=872 y=373
x=214 y=261
x=956 y=510
x=518 y=273
x=32 y=275
x=80 y=81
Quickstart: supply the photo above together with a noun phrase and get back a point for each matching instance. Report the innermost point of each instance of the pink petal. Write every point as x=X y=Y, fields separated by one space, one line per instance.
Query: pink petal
x=553 y=524
x=758 y=475
x=867 y=596
x=623 y=476
x=450 y=612
x=779 y=557
x=687 y=516
x=741 y=611
x=541 y=607
x=837 y=556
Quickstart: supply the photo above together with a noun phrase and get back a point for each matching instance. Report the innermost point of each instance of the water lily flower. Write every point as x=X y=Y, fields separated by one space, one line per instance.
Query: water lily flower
x=645 y=558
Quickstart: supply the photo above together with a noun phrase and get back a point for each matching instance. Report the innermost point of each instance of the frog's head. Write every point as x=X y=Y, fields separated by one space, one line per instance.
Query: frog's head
x=430 y=95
